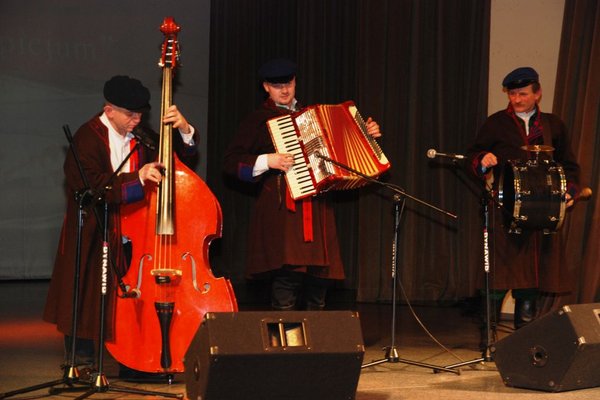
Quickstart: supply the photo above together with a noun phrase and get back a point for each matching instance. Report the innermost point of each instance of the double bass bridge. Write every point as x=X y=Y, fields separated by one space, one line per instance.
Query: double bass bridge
x=171 y=275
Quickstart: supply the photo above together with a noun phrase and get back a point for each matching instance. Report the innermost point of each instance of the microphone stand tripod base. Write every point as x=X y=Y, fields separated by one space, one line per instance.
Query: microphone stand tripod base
x=100 y=385
x=487 y=354
x=391 y=356
x=71 y=378
x=470 y=362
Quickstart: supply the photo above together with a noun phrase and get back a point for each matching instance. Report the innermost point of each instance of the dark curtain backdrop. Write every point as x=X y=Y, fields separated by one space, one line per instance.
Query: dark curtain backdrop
x=420 y=69
x=577 y=101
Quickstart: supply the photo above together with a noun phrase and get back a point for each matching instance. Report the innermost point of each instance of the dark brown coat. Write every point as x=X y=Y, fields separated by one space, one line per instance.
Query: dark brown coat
x=92 y=146
x=276 y=233
x=530 y=259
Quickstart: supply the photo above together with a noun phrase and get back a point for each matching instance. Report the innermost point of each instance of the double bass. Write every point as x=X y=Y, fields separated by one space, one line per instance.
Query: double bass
x=171 y=231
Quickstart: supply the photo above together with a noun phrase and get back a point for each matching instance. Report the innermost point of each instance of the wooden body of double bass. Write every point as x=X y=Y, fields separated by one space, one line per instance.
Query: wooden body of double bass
x=138 y=338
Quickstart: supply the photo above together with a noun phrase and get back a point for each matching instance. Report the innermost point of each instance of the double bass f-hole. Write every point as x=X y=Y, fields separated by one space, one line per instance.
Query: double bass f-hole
x=164 y=275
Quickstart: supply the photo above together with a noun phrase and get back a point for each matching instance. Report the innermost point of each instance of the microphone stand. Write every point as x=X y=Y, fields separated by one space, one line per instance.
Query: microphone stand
x=71 y=373
x=87 y=197
x=100 y=383
x=487 y=352
x=487 y=198
x=391 y=354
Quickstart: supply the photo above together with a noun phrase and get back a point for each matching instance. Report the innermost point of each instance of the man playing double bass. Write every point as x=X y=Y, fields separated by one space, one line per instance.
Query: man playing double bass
x=102 y=144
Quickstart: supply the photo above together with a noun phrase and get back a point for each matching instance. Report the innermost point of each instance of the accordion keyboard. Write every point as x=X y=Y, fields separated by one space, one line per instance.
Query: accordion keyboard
x=285 y=139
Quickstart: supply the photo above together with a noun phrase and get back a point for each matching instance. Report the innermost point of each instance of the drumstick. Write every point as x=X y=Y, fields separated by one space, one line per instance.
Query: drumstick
x=584 y=194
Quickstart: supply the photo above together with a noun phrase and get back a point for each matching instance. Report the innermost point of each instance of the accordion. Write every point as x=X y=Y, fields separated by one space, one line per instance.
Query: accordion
x=321 y=133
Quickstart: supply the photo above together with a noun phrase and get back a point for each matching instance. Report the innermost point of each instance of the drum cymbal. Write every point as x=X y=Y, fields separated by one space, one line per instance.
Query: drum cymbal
x=537 y=148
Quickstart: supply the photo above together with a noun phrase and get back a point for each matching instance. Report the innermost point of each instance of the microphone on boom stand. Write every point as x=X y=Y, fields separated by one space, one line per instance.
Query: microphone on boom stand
x=391 y=186
x=143 y=138
x=433 y=153
x=400 y=196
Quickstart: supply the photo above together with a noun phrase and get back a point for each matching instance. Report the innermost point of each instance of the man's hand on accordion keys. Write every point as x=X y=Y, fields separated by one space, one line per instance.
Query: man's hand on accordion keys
x=373 y=128
x=280 y=161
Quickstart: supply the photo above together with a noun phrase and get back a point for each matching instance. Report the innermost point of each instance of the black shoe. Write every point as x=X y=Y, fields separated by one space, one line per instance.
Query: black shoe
x=314 y=307
x=524 y=312
x=132 y=375
x=82 y=373
x=87 y=374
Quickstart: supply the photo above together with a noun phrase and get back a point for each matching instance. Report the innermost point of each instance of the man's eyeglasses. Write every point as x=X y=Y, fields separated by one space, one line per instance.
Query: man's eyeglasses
x=129 y=114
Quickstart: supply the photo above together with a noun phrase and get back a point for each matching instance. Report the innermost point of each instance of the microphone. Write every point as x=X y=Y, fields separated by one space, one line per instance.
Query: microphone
x=432 y=153
x=321 y=156
x=142 y=138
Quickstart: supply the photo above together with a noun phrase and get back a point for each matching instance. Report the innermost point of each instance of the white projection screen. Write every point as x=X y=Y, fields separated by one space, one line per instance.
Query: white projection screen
x=54 y=59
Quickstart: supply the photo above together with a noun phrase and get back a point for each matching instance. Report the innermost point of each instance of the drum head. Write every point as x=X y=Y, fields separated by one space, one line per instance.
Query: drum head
x=532 y=195
x=506 y=188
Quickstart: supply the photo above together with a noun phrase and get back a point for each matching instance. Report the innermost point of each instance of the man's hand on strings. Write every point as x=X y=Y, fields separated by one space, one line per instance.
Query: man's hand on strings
x=152 y=172
x=173 y=116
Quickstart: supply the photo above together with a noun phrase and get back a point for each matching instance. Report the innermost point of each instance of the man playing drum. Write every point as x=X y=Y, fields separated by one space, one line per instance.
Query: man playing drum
x=521 y=261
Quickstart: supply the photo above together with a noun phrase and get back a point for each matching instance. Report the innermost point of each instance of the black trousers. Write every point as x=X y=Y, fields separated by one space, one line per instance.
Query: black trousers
x=293 y=290
x=85 y=351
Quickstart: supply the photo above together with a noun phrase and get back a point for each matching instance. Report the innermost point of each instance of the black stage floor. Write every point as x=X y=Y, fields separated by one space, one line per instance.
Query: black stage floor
x=31 y=353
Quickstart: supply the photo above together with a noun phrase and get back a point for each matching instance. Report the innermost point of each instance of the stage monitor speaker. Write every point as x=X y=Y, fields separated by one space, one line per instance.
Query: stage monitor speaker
x=275 y=355
x=557 y=352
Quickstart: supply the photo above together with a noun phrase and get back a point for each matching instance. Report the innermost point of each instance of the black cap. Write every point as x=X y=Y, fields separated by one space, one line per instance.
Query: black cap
x=128 y=93
x=280 y=70
x=520 y=77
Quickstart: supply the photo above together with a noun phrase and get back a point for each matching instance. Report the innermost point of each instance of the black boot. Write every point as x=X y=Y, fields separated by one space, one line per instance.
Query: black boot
x=315 y=292
x=525 y=310
x=132 y=375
